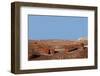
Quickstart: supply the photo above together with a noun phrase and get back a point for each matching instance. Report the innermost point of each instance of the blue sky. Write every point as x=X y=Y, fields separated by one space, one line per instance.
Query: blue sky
x=57 y=27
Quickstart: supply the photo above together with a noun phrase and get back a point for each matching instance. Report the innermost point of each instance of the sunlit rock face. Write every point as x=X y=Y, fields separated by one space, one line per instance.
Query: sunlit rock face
x=57 y=49
x=84 y=40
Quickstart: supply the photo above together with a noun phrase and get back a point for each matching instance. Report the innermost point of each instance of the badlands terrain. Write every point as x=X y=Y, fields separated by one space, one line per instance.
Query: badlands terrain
x=57 y=49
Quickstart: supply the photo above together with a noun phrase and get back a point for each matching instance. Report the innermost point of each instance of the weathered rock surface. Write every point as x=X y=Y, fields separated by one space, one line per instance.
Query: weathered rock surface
x=57 y=49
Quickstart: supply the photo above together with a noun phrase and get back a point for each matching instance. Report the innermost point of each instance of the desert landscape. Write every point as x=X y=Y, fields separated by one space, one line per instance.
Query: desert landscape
x=57 y=49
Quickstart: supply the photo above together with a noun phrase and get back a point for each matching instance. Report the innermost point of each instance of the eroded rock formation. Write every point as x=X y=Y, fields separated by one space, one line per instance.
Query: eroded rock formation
x=56 y=49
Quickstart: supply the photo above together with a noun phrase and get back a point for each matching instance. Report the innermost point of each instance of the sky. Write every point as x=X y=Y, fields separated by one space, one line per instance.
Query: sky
x=57 y=27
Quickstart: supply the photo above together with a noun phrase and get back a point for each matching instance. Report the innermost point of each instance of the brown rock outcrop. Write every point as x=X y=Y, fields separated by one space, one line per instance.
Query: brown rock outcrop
x=56 y=49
